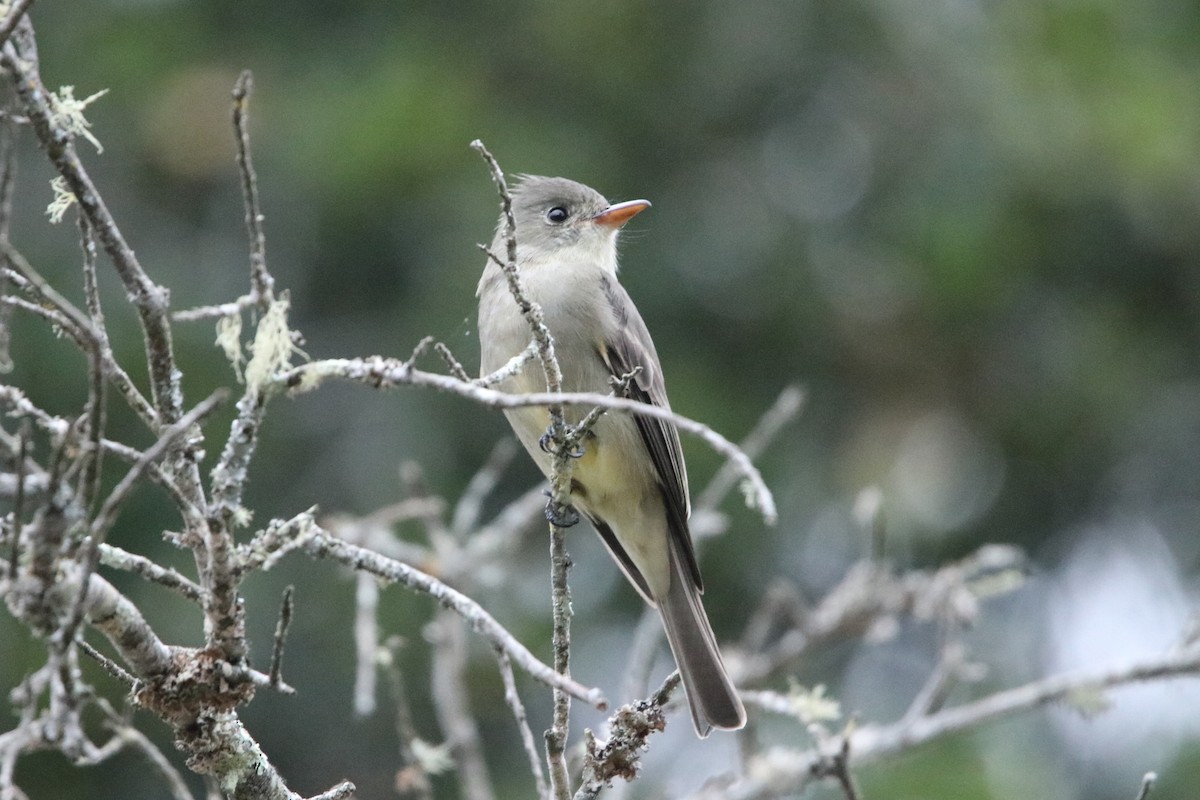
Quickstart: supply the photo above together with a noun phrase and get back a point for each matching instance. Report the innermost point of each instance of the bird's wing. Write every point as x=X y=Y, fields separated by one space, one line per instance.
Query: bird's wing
x=628 y=347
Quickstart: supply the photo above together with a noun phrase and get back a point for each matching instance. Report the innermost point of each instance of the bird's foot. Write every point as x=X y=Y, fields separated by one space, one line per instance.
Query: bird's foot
x=546 y=444
x=560 y=515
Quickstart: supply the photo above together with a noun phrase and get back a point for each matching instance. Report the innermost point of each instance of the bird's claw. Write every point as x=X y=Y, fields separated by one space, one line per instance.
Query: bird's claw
x=561 y=515
x=546 y=445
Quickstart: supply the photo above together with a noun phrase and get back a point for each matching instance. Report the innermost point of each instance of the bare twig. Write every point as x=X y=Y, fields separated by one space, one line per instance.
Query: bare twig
x=470 y=503
x=340 y=792
x=878 y=741
x=8 y=169
x=58 y=427
x=94 y=410
x=530 y=310
x=303 y=532
x=787 y=406
x=1148 y=781
x=107 y=664
x=452 y=363
x=450 y=701
x=281 y=630
x=514 y=365
x=130 y=736
x=366 y=642
x=18 y=511
x=107 y=514
x=88 y=335
x=11 y=19
x=382 y=372
x=794 y=768
x=498 y=537
x=261 y=282
x=839 y=769
x=871 y=595
x=642 y=652
x=513 y=698
x=117 y=558
x=147 y=297
x=108 y=511
x=560 y=593
x=412 y=779
x=951 y=662
x=107 y=609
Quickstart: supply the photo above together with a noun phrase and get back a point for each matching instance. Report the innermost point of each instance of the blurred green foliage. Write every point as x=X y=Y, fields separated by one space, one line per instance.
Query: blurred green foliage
x=968 y=228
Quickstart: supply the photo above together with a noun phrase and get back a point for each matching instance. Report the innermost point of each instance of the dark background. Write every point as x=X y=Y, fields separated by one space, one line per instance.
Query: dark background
x=969 y=229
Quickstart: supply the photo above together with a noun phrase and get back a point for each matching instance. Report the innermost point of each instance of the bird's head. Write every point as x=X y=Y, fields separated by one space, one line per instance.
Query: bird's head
x=561 y=219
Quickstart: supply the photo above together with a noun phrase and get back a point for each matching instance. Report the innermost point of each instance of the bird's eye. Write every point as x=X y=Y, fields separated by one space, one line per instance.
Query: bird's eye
x=557 y=215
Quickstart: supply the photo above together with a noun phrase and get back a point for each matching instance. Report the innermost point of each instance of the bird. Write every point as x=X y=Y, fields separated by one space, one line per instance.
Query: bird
x=629 y=480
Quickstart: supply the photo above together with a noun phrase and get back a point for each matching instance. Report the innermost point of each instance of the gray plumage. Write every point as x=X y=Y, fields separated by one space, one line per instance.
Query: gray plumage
x=631 y=481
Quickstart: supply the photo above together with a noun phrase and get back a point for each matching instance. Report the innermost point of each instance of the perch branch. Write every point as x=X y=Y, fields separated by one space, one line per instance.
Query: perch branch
x=383 y=372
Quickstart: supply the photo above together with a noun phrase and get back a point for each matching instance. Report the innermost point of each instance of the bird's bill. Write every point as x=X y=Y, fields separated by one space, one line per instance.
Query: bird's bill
x=618 y=214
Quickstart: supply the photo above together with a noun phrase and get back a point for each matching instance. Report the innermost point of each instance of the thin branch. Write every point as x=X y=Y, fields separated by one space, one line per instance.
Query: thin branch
x=18 y=511
x=260 y=279
x=560 y=593
x=499 y=537
x=15 y=12
x=107 y=610
x=412 y=779
x=215 y=311
x=452 y=363
x=514 y=365
x=530 y=310
x=513 y=698
x=132 y=737
x=643 y=649
x=787 y=407
x=148 y=298
x=116 y=558
x=883 y=740
x=94 y=411
x=366 y=642
x=107 y=514
x=871 y=596
x=303 y=532
x=450 y=701
x=8 y=171
x=1148 y=781
x=470 y=503
x=87 y=331
x=108 y=665
x=794 y=768
x=577 y=433
x=58 y=427
x=941 y=681
x=343 y=790
x=380 y=372
x=41 y=288
x=281 y=630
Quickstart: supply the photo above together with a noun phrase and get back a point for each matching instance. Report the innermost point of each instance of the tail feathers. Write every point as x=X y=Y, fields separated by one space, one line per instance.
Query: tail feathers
x=713 y=700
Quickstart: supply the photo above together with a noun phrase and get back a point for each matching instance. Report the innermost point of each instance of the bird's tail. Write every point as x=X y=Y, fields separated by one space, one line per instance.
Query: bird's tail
x=710 y=694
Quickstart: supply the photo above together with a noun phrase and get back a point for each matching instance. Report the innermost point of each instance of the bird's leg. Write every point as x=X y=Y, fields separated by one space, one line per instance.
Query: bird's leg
x=560 y=515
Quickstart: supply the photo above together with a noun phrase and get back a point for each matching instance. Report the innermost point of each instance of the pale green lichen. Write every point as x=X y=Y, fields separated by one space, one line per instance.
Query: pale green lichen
x=272 y=348
x=229 y=339
x=812 y=705
x=63 y=200
x=67 y=113
x=434 y=759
